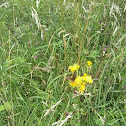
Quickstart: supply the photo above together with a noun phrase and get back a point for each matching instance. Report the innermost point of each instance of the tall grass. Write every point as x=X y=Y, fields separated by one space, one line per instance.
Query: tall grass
x=40 y=40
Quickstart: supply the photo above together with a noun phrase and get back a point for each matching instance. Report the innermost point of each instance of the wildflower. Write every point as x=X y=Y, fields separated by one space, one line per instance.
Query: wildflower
x=81 y=88
x=72 y=83
x=89 y=63
x=85 y=74
x=74 y=68
x=84 y=78
x=80 y=83
x=78 y=80
x=83 y=83
x=89 y=79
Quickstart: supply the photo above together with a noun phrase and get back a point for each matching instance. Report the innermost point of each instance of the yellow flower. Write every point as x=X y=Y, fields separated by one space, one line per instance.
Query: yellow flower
x=74 y=67
x=78 y=80
x=89 y=79
x=85 y=74
x=83 y=83
x=84 y=77
x=89 y=63
x=81 y=88
x=73 y=84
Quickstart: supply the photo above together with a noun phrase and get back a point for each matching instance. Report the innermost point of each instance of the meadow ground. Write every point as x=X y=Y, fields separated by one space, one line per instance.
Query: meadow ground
x=39 y=40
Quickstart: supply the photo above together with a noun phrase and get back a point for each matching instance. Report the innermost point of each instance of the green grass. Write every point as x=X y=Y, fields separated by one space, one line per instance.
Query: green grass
x=70 y=35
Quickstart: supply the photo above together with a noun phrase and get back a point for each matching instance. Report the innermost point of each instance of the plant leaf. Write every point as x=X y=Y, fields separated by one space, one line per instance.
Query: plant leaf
x=1 y=108
x=7 y=106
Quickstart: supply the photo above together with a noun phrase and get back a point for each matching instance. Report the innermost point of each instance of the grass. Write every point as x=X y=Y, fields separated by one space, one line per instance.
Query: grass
x=36 y=50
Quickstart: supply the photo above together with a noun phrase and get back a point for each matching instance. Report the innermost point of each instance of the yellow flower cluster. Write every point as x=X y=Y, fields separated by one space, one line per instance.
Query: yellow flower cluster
x=74 y=68
x=80 y=81
x=89 y=63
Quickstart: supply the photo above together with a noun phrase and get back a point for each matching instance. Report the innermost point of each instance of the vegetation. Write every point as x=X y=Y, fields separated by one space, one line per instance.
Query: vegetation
x=40 y=40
